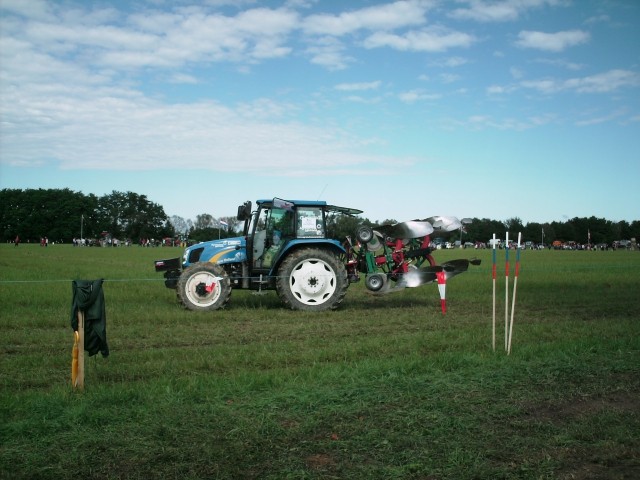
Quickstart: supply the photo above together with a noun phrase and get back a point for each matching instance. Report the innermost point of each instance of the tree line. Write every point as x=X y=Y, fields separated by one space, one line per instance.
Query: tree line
x=63 y=215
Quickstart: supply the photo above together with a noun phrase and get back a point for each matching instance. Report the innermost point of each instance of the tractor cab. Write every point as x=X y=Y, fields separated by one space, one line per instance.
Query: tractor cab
x=279 y=226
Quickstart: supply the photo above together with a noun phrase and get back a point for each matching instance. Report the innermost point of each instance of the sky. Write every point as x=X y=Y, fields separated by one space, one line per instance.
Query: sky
x=524 y=109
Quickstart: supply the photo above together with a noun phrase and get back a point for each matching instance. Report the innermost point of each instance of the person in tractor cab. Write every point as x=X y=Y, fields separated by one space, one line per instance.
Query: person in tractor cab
x=279 y=228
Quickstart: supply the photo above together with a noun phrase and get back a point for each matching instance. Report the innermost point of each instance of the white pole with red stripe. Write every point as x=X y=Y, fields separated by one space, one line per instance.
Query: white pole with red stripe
x=515 y=285
x=442 y=285
x=506 y=294
x=493 y=274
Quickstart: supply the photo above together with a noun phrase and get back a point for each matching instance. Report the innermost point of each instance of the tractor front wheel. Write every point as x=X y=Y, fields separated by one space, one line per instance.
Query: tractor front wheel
x=312 y=279
x=204 y=286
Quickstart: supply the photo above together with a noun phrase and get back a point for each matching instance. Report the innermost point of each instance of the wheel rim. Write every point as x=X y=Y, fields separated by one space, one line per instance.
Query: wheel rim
x=203 y=289
x=364 y=234
x=312 y=281
x=375 y=282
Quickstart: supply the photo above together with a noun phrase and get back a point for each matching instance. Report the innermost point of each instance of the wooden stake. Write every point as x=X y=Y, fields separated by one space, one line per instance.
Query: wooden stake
x=79 y=384
x=74 y=360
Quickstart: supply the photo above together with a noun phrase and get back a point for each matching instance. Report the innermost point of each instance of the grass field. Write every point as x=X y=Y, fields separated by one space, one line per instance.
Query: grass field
x=384 y=388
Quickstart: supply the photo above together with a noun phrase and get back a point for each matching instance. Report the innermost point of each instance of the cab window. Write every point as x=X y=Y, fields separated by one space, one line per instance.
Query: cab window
x=273 y=226
x=310 y=222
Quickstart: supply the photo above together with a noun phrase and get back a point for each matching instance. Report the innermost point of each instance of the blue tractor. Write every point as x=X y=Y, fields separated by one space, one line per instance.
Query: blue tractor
x=284 y=247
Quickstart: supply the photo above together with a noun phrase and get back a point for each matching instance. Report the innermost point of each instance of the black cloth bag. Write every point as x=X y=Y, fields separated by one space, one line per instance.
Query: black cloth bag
x=88 y=297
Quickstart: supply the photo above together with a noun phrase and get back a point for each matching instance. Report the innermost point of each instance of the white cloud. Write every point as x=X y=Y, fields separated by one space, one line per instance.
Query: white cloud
x=561 y=63
x=183 y=78
x=36 y=9
x=602 y=119
x=604 y=82
x=349 y=87
x=455 y=62
x=482 y=122
x=430 y=39
x=484 y=12
x=362 y=100
x=508 y=10
x=598 y=19
x=328 y=52
x=449 y=77
x=599 y=83
x=102 y=38
x=380 y=17
x=68 y=97
x=417 y=95
x=552 y=42
x=516 y=72
x=104 y=129
x=497 y=89
x=543 y=85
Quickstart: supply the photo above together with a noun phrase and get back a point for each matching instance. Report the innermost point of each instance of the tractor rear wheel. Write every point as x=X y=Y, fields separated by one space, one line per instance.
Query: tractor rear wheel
x=204 y=286
x=312 y=279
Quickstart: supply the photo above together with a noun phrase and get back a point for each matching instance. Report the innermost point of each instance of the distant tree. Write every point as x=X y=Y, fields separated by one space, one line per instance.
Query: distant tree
x=513 y=226
x=482 y=230
x=205 y=234
x=388 y=221
x=233 y=225
x=207 y=227
x=532 y=232
x=549 y=233
x=634 y=227
x=36 y=213
x=622 y=231
x=341 y=226
x=564 y=232
x=180 y=225
x=204 y=220
x=129 y=215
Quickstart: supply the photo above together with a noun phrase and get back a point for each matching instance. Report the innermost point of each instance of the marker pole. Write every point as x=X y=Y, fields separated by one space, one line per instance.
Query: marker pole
x=493 y=274
x=442 y=284
x=506 y=293
x=515 y=285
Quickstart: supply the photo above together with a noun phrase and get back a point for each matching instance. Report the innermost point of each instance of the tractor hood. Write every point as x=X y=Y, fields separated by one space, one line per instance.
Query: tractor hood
x=221 y=251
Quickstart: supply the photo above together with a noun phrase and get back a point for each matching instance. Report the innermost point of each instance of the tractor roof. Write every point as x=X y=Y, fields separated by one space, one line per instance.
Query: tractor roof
x=311 y=203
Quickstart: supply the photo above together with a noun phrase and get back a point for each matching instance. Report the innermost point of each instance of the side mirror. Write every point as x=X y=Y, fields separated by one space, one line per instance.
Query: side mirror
x=244 y=211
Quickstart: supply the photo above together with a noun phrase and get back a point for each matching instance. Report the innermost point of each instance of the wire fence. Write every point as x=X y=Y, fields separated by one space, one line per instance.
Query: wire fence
x=484 y=269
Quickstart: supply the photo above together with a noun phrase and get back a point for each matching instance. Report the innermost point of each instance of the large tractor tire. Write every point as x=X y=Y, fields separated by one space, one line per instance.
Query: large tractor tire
x=204 y=286
x=312 y=279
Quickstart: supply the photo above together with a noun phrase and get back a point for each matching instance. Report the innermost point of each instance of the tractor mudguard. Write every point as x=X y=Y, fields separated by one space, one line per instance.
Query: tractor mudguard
x=305 y=242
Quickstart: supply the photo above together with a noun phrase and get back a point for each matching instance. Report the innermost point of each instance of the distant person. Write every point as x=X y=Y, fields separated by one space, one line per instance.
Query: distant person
x=17 y=241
